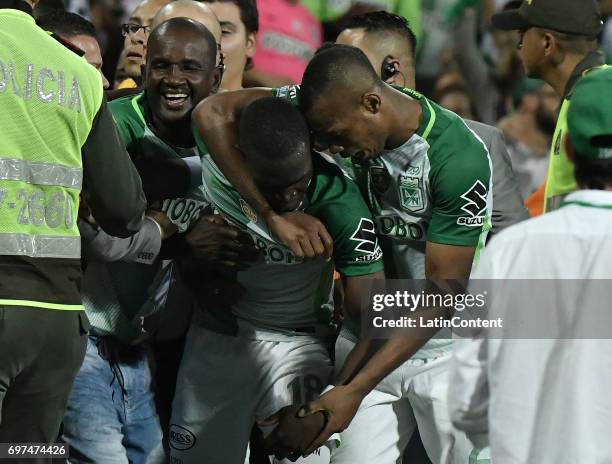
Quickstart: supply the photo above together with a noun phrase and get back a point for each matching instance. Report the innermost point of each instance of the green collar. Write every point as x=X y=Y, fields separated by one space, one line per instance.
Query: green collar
x=585 y=204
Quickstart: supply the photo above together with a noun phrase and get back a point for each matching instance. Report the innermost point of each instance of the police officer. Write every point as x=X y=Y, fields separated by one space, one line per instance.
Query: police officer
x=558 y=43
x=57 y=136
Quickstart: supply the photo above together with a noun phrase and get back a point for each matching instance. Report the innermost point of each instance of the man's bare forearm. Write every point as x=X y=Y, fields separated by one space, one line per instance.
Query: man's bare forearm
x=216 y=119
x=381 y=357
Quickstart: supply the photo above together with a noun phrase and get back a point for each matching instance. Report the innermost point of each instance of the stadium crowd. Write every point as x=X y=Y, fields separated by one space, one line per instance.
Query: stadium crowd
x=188 y=234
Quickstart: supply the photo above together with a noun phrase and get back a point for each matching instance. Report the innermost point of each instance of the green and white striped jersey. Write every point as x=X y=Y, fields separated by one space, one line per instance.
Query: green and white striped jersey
x=435 y=187
x=282 y=292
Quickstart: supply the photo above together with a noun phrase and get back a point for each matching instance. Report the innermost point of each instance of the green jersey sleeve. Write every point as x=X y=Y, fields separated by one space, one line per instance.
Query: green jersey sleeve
x=129 y=120
x=459 y=180
x=336 y=201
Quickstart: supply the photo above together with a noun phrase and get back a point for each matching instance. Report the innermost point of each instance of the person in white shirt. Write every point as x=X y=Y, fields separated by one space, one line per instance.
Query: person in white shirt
x=547 y=400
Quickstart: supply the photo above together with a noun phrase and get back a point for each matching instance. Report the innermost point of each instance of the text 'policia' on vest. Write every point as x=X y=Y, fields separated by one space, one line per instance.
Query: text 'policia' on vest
x=50 y=100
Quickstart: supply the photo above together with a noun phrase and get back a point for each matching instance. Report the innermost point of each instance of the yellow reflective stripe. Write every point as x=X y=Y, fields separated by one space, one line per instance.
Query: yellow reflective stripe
x=42 y=305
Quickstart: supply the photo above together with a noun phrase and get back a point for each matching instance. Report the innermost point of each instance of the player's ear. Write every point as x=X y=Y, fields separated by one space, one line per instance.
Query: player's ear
x=143 y=73
x=371 y=102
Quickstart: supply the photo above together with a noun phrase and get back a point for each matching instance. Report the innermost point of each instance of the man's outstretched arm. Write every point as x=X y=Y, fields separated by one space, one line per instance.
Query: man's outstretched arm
x=216 y=122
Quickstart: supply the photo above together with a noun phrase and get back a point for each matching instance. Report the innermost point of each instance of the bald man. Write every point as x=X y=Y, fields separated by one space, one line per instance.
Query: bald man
x=192 y=10
x=136 y=33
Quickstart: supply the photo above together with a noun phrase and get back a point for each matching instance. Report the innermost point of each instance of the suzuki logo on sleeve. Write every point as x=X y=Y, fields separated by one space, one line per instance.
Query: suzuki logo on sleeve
x=367 y=243
x=476 y=198
x=475 y=206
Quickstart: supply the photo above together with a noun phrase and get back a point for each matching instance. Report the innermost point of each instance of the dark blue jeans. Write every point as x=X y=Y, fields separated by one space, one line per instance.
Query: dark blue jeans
x=111 y=416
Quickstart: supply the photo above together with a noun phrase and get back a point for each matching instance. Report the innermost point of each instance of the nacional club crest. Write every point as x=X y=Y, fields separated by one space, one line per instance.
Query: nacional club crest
x=248 y=211
x=411 y=193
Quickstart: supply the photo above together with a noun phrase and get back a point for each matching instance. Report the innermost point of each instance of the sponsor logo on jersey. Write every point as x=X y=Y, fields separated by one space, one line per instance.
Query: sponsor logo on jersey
x=475 y=205
x=183 y=211
x=367 y=243
x=396 y=227
x=381 y=179
x=411 y=193
x=274 y=253
x=180 y=438
x=248 y=211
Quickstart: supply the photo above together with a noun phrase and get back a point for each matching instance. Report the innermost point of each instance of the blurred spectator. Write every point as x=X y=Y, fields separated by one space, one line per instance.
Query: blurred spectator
x=529 y=130
x=489 y=77
x=195 y=10
x=437 y=40
x=78 y=31
x=136 y=31
x=239 y=25
x=451 y=93
x=288 y=37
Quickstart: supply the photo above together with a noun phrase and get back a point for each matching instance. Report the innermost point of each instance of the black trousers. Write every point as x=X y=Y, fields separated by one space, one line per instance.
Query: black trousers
x=41 y=351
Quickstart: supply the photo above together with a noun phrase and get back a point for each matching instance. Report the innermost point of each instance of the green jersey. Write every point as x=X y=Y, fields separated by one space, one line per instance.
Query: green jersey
x=133 y=122
x=435 y=187
x=285 y=293
x=114 y=292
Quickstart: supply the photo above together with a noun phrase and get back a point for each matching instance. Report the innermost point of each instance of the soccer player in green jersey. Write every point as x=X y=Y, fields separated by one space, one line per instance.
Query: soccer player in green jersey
x=427 y=179
x=246 y=360
x=180 y=72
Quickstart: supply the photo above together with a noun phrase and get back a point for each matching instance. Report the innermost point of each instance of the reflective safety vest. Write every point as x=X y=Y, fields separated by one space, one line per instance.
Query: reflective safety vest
x=49 y=98
x=560 y=179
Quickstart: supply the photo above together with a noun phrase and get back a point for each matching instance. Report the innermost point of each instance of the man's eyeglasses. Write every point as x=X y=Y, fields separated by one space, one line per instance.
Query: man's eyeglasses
x=131 y=28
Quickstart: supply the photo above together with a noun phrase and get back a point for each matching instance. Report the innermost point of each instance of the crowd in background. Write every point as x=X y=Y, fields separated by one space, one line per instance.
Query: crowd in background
x=462 y=62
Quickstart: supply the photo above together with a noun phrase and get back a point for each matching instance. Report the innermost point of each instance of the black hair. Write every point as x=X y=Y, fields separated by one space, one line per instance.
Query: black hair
x=66 y=24
x=188 y=24
x=383 y=21
x=248 y=13
x=592 y=173
x=273 y=130
x=338 y=67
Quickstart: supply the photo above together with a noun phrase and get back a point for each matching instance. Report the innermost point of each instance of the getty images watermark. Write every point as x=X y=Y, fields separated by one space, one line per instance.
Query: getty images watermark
x=420 y=307
x=528 y=308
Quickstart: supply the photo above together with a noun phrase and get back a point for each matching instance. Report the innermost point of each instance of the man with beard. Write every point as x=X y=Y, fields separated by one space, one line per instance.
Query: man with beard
x=529 y=130
x=113 y=389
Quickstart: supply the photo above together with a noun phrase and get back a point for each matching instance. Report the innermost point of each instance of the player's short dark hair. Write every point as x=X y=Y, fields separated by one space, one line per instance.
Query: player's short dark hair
x=273 y=130
x=248 y=13
x=592 y=173
x=188 y=24
x=66 y=24
x=338 y=66
x=383 y=21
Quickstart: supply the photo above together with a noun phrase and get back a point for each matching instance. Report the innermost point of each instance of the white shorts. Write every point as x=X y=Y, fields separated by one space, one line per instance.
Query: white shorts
x=414 y=394
x=226 y=382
